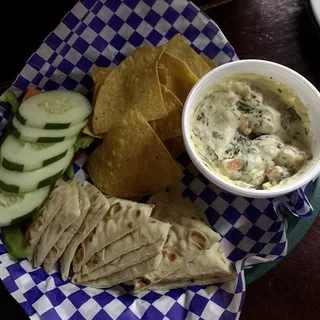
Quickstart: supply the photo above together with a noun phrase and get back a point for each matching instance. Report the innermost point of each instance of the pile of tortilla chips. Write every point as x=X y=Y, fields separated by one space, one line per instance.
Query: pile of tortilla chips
x=137 y=112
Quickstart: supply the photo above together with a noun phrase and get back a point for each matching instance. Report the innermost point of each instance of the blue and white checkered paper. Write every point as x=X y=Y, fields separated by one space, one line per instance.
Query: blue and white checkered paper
x=103 y=33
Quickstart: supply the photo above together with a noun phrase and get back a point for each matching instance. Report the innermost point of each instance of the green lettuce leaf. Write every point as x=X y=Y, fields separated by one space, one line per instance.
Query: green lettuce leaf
x=9 y=96
x=83 y=142
x=70 y=172
x=15 y=242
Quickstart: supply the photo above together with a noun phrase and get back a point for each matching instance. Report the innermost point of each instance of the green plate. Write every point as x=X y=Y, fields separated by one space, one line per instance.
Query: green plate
x=297 y=229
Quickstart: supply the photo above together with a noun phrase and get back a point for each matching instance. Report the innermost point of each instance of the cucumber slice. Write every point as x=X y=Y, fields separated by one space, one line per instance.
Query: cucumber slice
x=58 y=109
x=18 y=155
x=9 y=96
x=17 y=182
x=15 y=207
x=25 y=133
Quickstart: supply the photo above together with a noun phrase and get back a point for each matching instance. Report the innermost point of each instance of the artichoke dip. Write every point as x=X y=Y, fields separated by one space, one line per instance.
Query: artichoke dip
x=252 y=130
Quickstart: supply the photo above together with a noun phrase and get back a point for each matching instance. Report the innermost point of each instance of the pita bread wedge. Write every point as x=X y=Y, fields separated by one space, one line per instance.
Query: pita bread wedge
x=58 y=249
x=139 y=163
x=182 y=246
x=211 y=263
x=123 y=217
x=178 y=47
x=132 y=258
x=154 y=230
x=127 y=274
x=67 y=214
x=99 y=206
x=46 y=214
x=180 y=79
x=184 y=283
x=171 y=206
x=132 y=84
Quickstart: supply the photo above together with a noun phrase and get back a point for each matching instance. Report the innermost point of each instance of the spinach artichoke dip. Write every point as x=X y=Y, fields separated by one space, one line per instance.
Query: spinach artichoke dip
x=252 y=130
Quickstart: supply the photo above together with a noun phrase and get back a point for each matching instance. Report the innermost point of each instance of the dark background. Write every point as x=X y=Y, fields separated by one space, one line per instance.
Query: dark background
x=283 y=31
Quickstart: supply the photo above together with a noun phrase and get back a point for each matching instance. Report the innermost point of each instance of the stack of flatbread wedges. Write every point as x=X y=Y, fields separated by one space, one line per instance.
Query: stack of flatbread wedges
x=77 y=221
x=102 y=241
x=192 y=254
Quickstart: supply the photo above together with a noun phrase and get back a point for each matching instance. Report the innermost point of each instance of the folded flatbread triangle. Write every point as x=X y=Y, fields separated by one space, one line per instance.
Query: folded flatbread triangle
x=59 y=247
x=46 y=214
x=154 y=230
x=67 y=214
x=123 y=217
x=184 y=243
x=99 y=206
x=127 y=274
x=129 y=259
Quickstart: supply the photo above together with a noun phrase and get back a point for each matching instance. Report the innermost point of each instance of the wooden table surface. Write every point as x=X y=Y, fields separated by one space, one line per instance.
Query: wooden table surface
x=276 y=30
x=280 y=31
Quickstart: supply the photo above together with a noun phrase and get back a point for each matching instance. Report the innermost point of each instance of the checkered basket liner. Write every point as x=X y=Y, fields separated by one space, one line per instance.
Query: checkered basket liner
x=103 y=33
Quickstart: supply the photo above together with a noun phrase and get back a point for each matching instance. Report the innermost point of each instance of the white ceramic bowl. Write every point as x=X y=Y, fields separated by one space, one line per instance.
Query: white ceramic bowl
x=308 y=94
x=315 y=5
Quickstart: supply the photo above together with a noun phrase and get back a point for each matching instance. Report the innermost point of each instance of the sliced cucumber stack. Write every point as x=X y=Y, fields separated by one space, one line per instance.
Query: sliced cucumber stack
x=54 y=110
x=18 y=182
x=25 y=133
x=16 y=207
x=38 y=150
x=18 y=155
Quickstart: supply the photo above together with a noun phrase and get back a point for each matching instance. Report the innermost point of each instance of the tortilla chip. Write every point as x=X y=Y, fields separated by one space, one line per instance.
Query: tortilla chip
x=132 y=161
x=180 y=78
x=169 y=126
x=178 y=48
x=209 y=62
x=163 y=75
x=133 y=84
x=99 y=75
x=88 y=130
x=175 y=146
